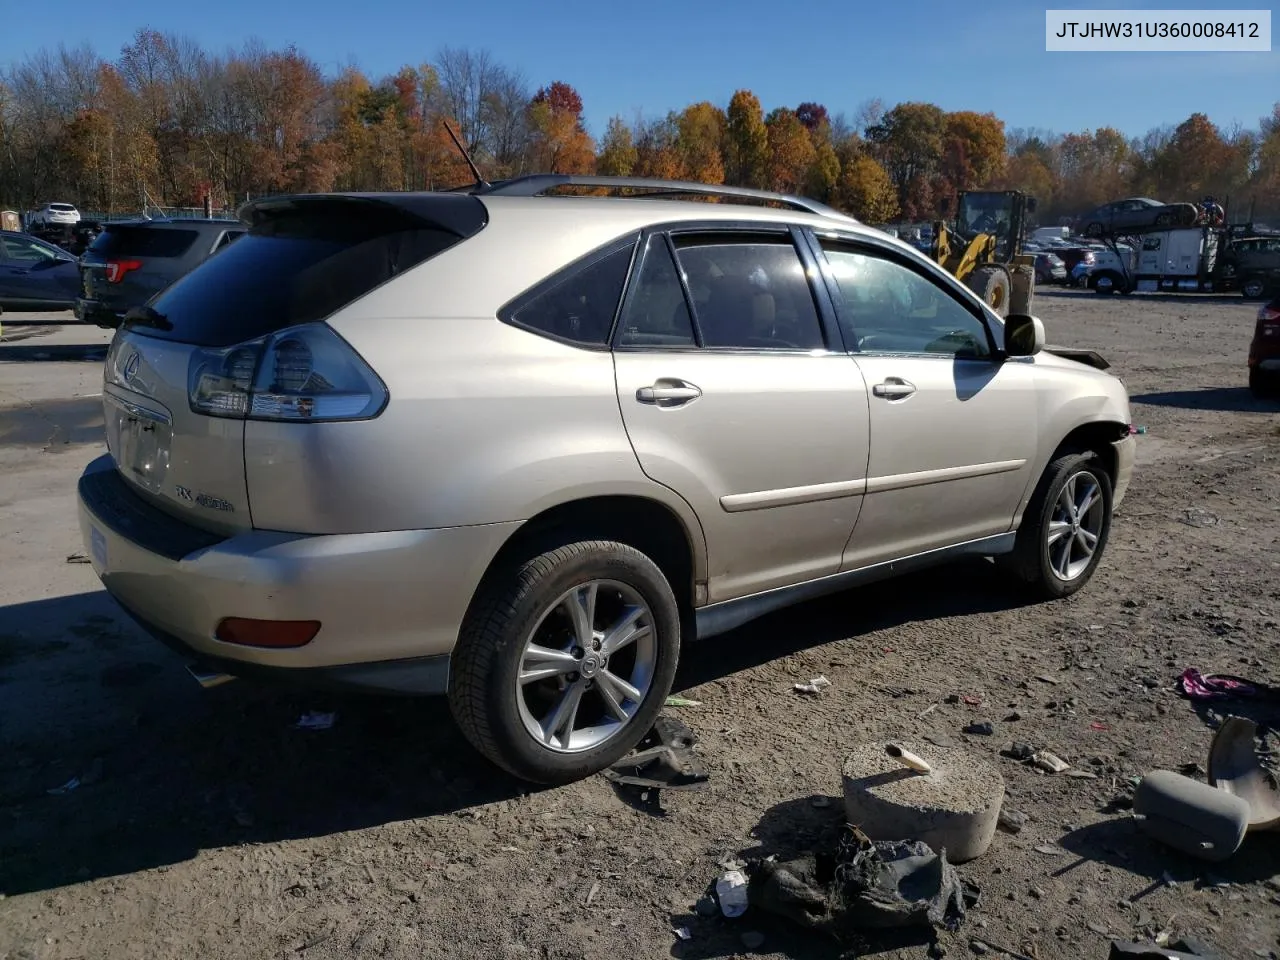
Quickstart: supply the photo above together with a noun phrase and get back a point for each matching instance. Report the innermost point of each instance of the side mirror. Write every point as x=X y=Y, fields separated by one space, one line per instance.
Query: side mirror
x=1023 y=335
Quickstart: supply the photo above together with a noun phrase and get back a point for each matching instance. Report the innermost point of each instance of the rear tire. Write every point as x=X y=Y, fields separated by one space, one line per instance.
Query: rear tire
x=992 y=284
x=1040 y=560
x=529 y=604
x=1107 y=283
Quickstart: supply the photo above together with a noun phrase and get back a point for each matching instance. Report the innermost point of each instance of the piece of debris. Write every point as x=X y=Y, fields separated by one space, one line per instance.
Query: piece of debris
x=982 y=729
x=972 y=701
x=1237 y=767
x=663 y=760
x=682 y=933
x=591 y=894
x=1013 y=717
x=752 y=940
x=1098 y=726
x=909 y=759
x=1199 y=517
x=1049 y=762
x=77 y=558
x=731 y=892
x=67 y=787
x=1191 y=816
x=1011 y=821
x=952 y=698
x=867 y=885
x=979 y=947
x=1049 y=851
x=314 y=720
x=1043 y=678
x=814 y=686
x=1019 y=751
x=1185 y=949
x=674 y=701
x=1080 y=774
x=1099 y=929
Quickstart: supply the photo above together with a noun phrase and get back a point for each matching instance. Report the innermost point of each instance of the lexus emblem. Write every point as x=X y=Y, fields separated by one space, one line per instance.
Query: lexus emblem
x=131 y=366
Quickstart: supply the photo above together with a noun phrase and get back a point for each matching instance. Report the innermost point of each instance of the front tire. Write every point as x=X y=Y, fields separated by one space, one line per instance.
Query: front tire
x=565 y=660
x=1065 y=527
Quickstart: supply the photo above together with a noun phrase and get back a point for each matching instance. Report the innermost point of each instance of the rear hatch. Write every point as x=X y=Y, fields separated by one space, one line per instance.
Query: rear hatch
x=129 y=263
x=241 y=337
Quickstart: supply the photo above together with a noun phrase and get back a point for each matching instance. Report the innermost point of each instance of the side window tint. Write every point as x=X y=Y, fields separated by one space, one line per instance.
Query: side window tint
x=889 y=308
x=750 y=293
x=656 y=313
x=578 y=306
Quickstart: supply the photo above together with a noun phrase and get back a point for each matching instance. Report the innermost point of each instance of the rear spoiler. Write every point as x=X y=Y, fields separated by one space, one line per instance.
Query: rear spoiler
x=1089 y=358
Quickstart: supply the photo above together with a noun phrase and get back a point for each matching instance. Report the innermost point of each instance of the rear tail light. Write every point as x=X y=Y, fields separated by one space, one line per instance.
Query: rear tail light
x=116 y=269
x=305 y=373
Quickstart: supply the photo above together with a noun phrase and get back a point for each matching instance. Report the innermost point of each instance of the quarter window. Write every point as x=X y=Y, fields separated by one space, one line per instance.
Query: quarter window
x=656 y=314
x=579 y=305
x=890 y=308
x=749 y=292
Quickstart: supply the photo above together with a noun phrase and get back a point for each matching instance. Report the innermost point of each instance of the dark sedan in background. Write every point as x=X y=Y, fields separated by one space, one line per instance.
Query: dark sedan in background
x=1137 y=213
x=35 y=275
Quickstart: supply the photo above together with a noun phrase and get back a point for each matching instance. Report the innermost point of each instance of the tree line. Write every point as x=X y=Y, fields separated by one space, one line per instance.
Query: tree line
x=167 y=123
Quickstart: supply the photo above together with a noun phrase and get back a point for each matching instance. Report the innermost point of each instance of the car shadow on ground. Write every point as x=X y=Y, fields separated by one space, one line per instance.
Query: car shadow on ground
x=1235 y=399
x=52 y=422
x=116 y=761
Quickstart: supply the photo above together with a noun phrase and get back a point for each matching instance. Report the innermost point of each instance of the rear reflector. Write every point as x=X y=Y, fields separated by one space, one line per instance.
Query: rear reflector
x=267 y=633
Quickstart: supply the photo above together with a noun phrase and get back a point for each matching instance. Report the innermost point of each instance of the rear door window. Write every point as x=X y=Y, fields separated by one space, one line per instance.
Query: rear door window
x=126 y=242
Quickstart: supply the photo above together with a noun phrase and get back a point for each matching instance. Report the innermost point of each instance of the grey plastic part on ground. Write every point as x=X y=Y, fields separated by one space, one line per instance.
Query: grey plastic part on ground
x=1191 y=816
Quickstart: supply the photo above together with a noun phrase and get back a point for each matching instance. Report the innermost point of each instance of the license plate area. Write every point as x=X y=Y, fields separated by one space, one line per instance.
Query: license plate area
x=140 y=437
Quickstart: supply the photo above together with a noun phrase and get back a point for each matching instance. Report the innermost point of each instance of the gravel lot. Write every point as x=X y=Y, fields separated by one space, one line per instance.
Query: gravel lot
x=206 y=825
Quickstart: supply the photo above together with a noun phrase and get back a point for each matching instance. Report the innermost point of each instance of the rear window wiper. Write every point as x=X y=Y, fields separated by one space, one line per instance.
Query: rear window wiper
x=146 y=316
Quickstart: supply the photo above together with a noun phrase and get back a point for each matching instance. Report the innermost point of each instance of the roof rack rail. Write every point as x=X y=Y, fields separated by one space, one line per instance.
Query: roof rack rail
x=538 y=184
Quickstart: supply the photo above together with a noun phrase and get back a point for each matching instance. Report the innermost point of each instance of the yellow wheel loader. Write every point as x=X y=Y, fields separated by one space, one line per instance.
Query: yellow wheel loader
x=983 y=248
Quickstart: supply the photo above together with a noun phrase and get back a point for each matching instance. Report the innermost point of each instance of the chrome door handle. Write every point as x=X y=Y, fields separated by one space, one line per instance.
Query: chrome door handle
x=668 y=393
x=895 y=388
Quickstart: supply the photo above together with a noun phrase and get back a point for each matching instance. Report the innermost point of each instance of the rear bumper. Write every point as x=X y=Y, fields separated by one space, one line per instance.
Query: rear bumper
x=390 y=604
x=1125 y=451
x=94 y=311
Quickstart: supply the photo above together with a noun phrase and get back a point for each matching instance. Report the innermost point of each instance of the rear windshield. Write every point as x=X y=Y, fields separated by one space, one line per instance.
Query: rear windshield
x=64 y=207
x=117 y=242
x=293 y=268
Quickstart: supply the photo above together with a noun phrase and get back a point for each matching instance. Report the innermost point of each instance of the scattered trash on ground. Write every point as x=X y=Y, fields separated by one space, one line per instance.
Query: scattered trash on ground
x=674 y=701
x=1048 y=762
x=682 y=933
x=1236 y=767
x=908 y=759
x=814 y=686
x=1049 y=850
x=1011 y=821
x=1198 y=517
x=731 y=893
x=1184 y=949
x=663 y=760
x=1096 y=725
x=1197 y=686
x=314 y=720
x=866 y=886
x=983 y=729
x=1019 y=751
x=77 y=558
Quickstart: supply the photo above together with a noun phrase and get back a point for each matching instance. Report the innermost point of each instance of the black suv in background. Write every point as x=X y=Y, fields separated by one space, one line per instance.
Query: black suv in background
x=129 y=263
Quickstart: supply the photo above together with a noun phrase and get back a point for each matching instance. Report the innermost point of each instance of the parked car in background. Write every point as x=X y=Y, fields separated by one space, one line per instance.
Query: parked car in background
x=1072 y=256
x=74 y=238
x=1136 y=213
x=1252 y=264
x=518 y=448
x=1105 y=272
x=35 y=275
x=1264 y=352
x=52 y=213
x=1050 y=268
x=129 y=263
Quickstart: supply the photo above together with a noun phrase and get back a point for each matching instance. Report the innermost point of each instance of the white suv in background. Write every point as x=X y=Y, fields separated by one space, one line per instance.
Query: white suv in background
x=55 y=213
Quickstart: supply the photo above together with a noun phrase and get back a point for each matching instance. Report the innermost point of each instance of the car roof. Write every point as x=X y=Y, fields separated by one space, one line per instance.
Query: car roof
x=176 y=224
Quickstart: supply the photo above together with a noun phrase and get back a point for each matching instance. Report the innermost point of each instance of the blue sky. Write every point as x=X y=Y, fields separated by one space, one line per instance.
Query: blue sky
x=660 y=55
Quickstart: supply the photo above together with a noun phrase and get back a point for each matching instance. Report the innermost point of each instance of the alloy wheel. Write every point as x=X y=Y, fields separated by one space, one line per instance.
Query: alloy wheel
x=1075 y=527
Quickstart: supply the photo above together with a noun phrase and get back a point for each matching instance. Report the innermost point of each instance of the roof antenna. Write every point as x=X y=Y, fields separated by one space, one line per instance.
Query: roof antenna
x=481 y=182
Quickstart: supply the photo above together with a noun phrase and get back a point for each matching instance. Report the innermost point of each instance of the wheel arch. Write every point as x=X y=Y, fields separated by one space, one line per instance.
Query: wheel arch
x=674 y=542
x=1090 y=436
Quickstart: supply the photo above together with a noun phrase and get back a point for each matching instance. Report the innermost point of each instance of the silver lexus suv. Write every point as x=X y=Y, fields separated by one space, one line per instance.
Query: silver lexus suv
x=517 y=447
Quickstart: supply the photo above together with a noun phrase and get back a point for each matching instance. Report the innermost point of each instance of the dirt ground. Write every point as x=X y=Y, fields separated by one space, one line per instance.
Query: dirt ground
x=205 y=824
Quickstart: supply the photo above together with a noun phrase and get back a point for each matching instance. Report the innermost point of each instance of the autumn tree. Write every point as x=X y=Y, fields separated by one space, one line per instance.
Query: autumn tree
x=973 y=151
x=908 y=142
x=700 y=135
x=867 y=192
x=746 y=141
x=560 y=142
x=791 y=151
x=656 y=153
x=618 y=155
